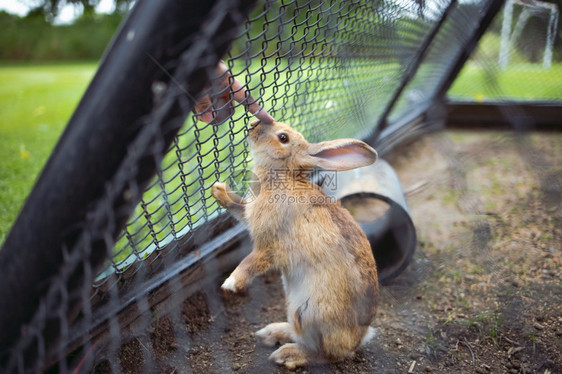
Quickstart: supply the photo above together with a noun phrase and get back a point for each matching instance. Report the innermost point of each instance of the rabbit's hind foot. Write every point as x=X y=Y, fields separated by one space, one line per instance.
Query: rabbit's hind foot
x=278 y=332
x=292 y=355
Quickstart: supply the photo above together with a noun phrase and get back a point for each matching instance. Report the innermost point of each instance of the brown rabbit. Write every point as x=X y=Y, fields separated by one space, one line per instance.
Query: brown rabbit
x=325 y=259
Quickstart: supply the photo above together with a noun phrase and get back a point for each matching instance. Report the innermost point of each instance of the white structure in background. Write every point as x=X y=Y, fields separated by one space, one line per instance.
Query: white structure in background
x=530 y=8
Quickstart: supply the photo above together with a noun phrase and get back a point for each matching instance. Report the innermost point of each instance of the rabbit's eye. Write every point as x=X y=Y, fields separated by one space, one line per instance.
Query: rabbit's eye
x=283 y=138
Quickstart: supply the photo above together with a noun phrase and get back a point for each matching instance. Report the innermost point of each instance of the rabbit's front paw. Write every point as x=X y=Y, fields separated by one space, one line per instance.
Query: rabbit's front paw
x=231 y=285
x=220 y=192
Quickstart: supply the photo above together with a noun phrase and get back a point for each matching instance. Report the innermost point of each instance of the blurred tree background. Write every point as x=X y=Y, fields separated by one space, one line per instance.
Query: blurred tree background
x=37 y=37
x=51 y=8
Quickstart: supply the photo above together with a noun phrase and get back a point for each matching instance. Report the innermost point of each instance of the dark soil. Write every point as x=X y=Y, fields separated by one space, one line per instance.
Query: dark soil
x=482 y=295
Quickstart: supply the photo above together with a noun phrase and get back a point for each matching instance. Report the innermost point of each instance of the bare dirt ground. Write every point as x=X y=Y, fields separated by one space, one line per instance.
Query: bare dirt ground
x=482 y=295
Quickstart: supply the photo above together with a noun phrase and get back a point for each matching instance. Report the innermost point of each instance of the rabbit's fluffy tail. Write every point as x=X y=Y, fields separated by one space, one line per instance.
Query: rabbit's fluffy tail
x=371 y=332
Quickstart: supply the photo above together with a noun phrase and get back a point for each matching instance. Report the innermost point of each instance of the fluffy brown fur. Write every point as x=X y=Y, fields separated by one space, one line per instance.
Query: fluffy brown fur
x=327 y=265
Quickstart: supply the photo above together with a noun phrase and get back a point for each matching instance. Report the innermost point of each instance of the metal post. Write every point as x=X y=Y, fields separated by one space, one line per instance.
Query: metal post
x=505 y=41
x=550 y=36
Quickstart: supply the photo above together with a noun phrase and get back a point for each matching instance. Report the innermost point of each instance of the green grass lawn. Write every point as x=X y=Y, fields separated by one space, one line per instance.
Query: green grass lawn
x=521 y=81
x=35 y=104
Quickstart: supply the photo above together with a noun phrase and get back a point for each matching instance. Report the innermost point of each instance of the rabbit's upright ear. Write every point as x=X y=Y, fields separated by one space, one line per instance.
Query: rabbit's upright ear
x=341 y=154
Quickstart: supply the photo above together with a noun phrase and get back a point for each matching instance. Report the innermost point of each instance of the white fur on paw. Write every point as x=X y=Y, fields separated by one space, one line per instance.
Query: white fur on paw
x=266 y=337
x=277 y=332
x=290 y=356
x=229 y=284
x=278 y=357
